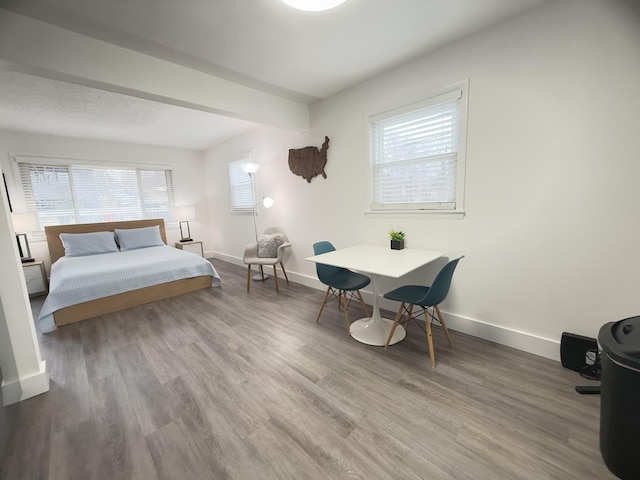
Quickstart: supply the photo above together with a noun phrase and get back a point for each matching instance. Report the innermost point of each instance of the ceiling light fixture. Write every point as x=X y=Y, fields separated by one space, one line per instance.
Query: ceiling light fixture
x=313 y=5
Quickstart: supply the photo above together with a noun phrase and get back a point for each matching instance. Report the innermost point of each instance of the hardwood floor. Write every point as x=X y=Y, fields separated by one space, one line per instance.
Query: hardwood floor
x=222 y=384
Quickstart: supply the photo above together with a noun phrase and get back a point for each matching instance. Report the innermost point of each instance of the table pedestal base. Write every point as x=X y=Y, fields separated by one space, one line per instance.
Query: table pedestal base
x=375 y=331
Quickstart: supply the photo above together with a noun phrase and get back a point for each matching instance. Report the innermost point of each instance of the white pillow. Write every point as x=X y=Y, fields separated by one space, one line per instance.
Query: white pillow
x=134 y=238
x=82 y=244
x=268 y=245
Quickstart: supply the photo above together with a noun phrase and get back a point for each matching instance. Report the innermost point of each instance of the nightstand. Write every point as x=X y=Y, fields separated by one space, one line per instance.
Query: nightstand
x=36 y=278
x=192 y=246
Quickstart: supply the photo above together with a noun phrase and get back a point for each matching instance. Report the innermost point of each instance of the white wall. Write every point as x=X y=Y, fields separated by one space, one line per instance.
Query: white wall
x=230 y=233
x=550 y=233
x=189 y=184
x=23 y=370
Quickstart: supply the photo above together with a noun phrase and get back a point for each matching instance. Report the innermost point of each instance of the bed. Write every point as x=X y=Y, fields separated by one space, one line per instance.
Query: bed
x=152 y=273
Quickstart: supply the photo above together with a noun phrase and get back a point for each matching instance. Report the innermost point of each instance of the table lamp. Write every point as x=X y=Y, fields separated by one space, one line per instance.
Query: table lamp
x=184 y=214
x=24 y=222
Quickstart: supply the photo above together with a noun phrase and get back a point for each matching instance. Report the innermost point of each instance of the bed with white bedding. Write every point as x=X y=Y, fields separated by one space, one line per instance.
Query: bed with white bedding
x=85 y=284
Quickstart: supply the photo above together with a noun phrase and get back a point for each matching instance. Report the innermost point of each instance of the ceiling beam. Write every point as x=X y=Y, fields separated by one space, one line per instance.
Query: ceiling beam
x=48 y=51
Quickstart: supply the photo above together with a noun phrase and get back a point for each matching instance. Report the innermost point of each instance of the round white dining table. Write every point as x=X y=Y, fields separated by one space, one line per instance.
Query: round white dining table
x=377 y=261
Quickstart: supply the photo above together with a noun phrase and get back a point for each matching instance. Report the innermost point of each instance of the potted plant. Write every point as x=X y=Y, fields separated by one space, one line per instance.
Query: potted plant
x=397 y=239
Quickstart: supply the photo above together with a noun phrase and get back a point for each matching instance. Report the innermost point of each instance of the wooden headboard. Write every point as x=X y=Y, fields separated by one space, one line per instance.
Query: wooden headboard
x=56 y=249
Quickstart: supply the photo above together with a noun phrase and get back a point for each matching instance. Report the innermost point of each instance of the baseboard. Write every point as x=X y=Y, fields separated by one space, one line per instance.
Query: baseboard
x=526 y=342
x=27 y=387
x=509 y=337
x=225 y=258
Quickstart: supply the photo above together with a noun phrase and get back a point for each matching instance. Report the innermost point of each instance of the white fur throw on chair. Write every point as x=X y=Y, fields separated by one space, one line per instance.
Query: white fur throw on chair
x=268 y=245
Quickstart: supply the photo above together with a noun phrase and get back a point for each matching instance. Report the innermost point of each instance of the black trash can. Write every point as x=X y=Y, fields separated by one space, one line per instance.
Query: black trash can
x=620 y=397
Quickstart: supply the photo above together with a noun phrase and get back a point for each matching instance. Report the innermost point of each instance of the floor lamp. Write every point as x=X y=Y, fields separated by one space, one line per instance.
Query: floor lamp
x=267 y=202
x=251 y=169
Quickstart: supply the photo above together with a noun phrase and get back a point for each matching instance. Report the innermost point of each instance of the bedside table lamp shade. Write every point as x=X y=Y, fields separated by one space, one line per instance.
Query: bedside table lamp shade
x=183 y=215
x=24 y=222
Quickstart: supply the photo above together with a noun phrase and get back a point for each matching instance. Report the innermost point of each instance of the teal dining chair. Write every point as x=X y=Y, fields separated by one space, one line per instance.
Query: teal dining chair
x=342 y=283
x=427 y=298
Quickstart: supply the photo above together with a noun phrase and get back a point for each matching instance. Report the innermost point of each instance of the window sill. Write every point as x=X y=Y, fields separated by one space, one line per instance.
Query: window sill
x=416 y=213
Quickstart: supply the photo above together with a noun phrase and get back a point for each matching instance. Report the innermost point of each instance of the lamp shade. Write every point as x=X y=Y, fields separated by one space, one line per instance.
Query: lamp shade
x=24 y=222
x=267 y=202
x=183 y=213
x=250 y=167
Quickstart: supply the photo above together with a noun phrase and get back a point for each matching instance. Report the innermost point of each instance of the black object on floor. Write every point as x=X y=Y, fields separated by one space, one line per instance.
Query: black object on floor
x=592 y=370
x=573 y=350
x=588 y=389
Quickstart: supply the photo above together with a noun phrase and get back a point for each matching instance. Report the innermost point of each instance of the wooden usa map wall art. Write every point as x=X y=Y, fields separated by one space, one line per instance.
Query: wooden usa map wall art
x=308 y=162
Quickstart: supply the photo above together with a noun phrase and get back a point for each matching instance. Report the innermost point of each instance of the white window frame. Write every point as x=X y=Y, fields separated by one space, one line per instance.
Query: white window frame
x=242 y=188
x=25 y=164
x=457 y=93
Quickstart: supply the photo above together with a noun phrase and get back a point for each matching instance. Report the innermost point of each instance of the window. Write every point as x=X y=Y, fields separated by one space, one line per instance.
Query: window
x=418 y=155
x=62 y=194
x=243 y=189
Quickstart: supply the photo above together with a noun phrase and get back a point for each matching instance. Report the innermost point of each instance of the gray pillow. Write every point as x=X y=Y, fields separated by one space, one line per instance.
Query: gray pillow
x=134 y=238
x=268 y=245
x=82 y=244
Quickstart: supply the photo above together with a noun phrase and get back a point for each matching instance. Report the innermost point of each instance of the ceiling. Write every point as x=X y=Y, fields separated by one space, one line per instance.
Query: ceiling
x=261 y=44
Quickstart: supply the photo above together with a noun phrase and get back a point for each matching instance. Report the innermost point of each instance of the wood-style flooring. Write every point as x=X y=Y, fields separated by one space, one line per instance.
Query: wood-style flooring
x=223 y=384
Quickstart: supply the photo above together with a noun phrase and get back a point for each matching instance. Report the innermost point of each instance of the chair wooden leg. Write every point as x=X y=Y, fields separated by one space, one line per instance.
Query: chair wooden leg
x=364 y=305
x=393 y=327
x=346 y=311
x=324 y=302
x=444 y=325
x=262 y=272
x=408 y=320
x=284 y=271
x=248 y=277
x=275 y=279
x=430 y=339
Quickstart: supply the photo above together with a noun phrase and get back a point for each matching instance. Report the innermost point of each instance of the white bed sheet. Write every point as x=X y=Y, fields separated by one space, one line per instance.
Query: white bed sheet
x=80 y=279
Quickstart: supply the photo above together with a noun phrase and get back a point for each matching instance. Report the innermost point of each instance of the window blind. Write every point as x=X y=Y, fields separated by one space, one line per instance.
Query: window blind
x=67 y=194
x=157 y=192
x=243 y=194
x=414 y=155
